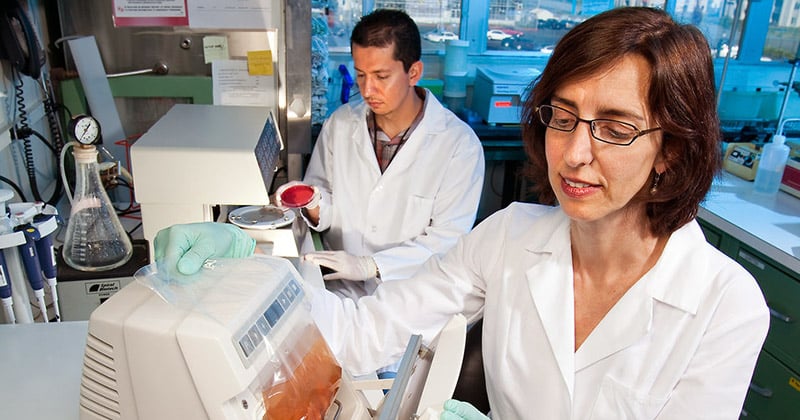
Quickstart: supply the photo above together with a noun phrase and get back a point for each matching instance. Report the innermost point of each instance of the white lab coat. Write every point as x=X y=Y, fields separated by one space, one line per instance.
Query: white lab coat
x=425 y=200
x=680 y=344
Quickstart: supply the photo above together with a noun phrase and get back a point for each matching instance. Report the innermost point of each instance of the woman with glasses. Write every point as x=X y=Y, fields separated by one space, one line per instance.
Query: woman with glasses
x=604 y=301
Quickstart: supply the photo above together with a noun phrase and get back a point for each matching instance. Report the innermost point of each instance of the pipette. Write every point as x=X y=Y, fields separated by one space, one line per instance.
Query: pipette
x=33 y=269
x=47 y=259
x=5 y=291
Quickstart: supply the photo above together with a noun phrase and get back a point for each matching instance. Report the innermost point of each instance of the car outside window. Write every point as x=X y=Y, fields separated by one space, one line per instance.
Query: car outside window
x=436 y=36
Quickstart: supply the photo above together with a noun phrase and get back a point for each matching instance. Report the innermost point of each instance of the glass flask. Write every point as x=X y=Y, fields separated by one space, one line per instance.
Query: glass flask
x=95 y=239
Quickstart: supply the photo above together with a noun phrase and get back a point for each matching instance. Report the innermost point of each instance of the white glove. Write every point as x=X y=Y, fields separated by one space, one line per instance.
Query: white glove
x=311 y=204
x=344 y=265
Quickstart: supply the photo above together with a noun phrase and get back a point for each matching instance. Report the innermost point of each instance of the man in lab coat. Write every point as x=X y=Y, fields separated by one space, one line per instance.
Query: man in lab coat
x=397 y=176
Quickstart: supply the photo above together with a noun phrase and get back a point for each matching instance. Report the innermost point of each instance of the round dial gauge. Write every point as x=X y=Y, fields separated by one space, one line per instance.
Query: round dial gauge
x=85 y=129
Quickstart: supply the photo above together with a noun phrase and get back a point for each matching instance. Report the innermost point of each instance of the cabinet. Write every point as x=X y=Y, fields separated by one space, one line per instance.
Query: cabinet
x=775 y=387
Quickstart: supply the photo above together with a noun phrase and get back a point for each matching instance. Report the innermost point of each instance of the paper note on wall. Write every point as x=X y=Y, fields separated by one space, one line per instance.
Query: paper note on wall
x=233 y=85
x=215 y=48
x=150 y=13
x=233 y=14
x=259 y=63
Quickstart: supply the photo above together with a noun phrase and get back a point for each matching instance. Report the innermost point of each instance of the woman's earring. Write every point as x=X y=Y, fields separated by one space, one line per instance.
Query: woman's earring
x=654 y=185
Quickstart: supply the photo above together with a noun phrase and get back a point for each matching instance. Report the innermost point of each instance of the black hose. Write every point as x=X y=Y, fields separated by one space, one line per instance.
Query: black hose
x=23 y=133
x=51 y=111
x=15 y=187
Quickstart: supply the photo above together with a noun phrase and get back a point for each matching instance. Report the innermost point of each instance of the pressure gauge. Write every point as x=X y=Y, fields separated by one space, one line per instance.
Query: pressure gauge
x=85 y=129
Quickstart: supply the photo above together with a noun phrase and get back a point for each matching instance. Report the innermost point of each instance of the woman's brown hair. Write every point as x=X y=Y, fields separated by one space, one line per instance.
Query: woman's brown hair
x=681 y=98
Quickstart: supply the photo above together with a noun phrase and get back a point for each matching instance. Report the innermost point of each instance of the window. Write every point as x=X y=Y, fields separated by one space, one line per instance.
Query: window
x=342 y=16
x=535 y=26
x=438 y=20
x=783 y=34
x=532 y=25
x=746 y=32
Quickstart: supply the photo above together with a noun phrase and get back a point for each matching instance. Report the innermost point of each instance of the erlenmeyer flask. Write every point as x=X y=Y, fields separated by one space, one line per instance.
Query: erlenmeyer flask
x=95 y=239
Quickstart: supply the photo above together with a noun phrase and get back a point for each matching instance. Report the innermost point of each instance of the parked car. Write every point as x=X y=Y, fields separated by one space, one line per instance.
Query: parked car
x=512 y=43
x=551 y=23
x=547 y=49
x=443 y=36
x=497 y=35
x=513 y=32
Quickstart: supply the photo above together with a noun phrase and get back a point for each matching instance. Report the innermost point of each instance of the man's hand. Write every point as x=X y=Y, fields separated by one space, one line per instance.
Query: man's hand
x=344 y=265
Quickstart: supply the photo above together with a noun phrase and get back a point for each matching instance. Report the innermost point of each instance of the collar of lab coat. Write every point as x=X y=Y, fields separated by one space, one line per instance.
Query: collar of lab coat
x=671 y=281
x=433 y=122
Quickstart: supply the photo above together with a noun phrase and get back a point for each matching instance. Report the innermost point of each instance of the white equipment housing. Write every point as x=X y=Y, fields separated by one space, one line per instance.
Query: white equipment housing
x=149 y=359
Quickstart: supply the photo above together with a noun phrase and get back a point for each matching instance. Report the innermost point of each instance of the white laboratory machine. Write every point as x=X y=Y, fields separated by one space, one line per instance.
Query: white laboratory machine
x=500 y=91
x=198 y=157
x=240 y=344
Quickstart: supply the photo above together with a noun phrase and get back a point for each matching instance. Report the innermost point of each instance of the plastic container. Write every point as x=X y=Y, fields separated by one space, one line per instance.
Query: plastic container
x=297 y=196
x=455 y=56
x=95 y=239
x=455 y=74
x=771 y=165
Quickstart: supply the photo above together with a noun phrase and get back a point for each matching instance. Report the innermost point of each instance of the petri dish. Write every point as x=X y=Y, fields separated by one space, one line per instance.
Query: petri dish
x=297 y=196
x=261 y=217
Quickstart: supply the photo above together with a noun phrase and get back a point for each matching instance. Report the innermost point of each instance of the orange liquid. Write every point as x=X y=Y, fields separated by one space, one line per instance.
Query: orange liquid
x=309 y=391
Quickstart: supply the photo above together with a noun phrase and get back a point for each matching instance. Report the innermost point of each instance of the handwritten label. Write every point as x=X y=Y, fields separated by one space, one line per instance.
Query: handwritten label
x=215 y=48
x=259 y=63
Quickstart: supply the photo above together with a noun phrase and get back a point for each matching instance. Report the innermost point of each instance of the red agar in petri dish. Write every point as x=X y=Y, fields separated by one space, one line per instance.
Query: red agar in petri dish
x=297 y=196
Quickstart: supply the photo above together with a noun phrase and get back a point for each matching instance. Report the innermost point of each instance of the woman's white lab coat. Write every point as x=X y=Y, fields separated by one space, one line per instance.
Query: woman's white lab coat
x=680 y=344
x=421 y=204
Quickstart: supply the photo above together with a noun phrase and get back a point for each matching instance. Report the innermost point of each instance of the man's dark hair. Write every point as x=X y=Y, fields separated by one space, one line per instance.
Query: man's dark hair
x=385 y=27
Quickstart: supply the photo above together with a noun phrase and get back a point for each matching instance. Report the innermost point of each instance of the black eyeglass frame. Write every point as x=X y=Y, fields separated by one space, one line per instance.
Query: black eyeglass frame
x=591 y=123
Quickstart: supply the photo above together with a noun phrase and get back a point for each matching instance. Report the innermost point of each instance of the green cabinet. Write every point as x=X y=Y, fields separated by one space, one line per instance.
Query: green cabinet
x=775 y=388
x=782 y=293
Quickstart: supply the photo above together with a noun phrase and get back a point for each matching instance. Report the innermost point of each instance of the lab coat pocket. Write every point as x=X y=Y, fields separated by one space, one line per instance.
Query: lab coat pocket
x=617 y=402
x=417 y=216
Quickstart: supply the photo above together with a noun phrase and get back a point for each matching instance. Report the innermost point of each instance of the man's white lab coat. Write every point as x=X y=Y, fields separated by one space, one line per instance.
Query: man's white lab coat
x=421 y=204
x=680 y=344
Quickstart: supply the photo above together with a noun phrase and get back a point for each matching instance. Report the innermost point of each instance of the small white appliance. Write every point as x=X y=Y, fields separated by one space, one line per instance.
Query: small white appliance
x=500 y=91
x=197 y=157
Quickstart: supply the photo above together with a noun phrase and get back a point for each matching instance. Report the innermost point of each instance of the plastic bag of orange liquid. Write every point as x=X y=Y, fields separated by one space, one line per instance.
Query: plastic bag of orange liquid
x=305 y=385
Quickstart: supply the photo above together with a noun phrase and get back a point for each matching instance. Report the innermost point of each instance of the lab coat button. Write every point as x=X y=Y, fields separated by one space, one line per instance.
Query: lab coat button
x=374 y=228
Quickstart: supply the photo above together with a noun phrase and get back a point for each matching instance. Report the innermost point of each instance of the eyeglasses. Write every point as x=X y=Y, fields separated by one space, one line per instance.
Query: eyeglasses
x=608 y=131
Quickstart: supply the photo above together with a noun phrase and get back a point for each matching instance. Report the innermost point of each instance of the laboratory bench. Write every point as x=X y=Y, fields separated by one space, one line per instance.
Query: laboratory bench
x=40 y=367
x=762 y=233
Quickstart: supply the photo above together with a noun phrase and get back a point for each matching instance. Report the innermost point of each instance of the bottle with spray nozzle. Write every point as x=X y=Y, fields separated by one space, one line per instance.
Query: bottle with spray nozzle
x=773 y=161
x=772 y=164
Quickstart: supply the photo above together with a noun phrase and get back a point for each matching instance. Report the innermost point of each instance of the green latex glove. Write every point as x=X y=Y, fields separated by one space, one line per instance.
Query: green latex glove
x=460 y=410
x=186 y=247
